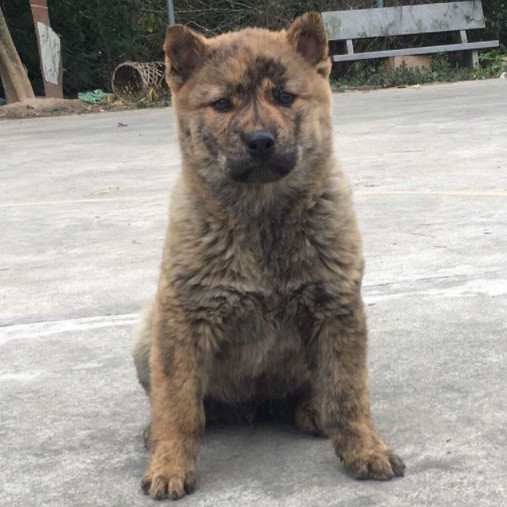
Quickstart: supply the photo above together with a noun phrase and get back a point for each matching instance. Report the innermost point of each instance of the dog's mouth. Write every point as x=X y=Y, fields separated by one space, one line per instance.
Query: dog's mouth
x=263 y=174
x=274 y=169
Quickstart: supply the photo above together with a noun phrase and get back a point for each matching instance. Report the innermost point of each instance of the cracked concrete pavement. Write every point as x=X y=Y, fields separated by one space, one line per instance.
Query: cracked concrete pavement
x=83 y=208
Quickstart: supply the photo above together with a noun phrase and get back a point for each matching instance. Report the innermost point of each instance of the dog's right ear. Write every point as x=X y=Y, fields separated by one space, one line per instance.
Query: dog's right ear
x=184 y=53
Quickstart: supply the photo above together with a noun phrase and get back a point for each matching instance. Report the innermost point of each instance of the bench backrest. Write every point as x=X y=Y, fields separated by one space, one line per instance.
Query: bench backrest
x=412 y=19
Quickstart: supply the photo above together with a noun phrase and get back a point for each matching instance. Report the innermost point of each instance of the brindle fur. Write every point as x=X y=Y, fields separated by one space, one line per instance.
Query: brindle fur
x=259 y=296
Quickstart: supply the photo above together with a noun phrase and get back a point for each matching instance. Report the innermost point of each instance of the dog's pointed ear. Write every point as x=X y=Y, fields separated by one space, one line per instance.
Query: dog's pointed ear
x=308 y=35
x=184 y=53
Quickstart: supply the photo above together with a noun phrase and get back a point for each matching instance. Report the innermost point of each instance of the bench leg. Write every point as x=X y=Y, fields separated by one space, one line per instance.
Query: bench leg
x=472 y=59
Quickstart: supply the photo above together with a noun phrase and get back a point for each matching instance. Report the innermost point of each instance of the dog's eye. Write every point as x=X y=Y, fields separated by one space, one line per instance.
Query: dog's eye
x=285 y=98
x=222 y=105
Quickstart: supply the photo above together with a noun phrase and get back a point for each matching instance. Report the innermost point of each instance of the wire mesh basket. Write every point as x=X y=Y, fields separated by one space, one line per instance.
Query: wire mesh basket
x=134 y=82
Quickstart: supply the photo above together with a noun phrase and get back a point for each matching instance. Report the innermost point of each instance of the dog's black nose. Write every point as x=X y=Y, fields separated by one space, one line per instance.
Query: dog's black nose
x=261 y=143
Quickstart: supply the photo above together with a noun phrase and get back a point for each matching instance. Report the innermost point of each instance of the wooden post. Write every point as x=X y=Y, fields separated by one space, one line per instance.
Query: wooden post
x=50 y=53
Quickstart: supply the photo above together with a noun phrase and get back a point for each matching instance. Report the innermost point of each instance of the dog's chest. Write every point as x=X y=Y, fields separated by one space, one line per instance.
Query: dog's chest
x=275 y=254
x=258 y=282
x=254 y=302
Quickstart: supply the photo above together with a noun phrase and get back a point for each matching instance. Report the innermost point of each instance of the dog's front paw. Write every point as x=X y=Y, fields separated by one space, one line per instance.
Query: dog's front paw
x=166 y=481
x=378 y=463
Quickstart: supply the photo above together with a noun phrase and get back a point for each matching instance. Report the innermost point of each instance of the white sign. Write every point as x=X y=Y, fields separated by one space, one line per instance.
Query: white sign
x=50 y=52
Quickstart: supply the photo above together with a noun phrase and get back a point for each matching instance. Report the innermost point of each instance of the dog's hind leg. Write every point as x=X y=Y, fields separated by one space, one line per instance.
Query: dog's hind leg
x=307 y=417
x=141 y=344
x=141 y=347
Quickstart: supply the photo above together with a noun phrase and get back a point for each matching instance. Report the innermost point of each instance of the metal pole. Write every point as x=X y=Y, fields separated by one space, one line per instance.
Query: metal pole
x=170 y=9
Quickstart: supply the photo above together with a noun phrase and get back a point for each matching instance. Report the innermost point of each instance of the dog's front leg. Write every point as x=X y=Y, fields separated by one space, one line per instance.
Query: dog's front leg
x=343 y=397
x=177 y=415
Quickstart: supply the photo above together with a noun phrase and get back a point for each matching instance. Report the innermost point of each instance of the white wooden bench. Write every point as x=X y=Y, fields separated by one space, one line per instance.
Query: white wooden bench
x=458 y=17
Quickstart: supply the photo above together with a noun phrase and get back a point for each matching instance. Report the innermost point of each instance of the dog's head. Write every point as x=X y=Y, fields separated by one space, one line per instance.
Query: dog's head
x=253 y=106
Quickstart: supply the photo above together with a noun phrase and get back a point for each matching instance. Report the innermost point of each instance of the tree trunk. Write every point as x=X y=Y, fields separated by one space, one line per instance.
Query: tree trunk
x=15 y=81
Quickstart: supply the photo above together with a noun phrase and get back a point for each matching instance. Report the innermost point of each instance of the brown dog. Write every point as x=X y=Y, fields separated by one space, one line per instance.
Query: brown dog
x=259 y=296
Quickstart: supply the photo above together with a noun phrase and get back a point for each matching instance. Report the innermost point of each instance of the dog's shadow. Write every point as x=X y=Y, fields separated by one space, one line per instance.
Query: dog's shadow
x=270 y=455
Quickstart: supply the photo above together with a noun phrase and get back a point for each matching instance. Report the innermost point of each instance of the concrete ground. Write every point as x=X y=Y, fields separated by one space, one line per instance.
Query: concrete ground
x=83 y=204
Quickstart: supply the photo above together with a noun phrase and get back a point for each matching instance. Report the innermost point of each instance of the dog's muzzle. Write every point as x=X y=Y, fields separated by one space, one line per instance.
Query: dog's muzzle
x=265 y=162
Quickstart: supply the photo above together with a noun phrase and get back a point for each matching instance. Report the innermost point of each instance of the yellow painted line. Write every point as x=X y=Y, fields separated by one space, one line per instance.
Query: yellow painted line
x=91 y=200
x=84 y=201
x=476 y=193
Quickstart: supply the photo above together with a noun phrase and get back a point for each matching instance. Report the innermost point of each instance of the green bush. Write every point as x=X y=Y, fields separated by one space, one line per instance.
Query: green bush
x=443 y=69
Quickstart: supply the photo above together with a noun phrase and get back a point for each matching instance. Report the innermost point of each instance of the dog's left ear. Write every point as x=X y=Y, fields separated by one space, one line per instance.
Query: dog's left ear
x=308 y=35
